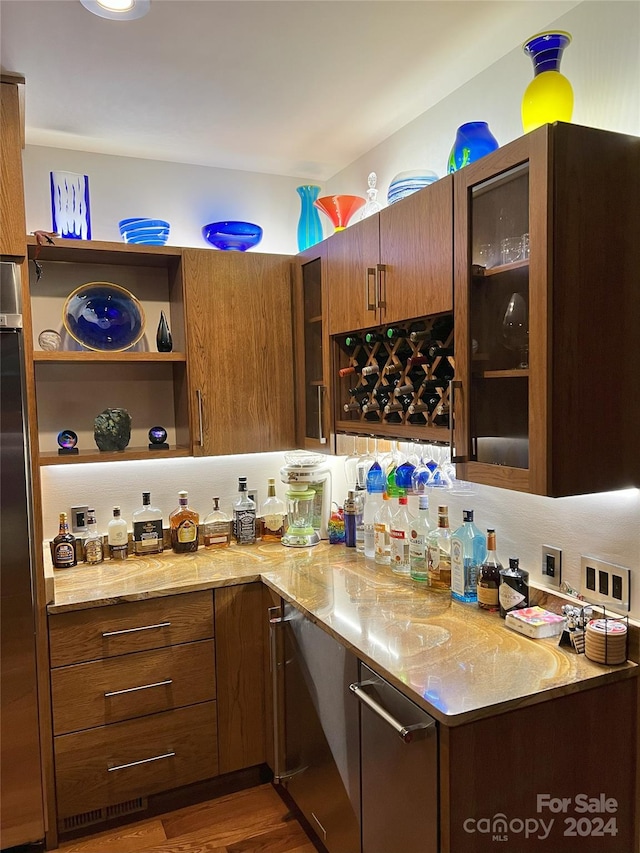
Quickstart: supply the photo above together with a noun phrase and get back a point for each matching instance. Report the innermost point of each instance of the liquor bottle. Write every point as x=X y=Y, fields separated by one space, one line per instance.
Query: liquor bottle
x=399 y=536
x=216 y=528
x=419 y=541
x=381 y=528
x=273 y=513
x=489 y=576
x=64 y=546
x=244 y=515
x=183 y=522
x=350 y=510
x=93 y=547
x=375 y=491
x=439 y=553
x=513 y=592
x=352 y=341
x=147 y=528
x=117 y=536
x=468 y=552
x=360 y=499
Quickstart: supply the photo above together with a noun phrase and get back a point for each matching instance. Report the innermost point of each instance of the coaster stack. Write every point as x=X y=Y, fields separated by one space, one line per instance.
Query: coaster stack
x=606 y=641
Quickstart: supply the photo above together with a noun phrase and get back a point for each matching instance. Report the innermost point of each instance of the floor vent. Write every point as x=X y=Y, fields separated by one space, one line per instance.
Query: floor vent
x=78 y=821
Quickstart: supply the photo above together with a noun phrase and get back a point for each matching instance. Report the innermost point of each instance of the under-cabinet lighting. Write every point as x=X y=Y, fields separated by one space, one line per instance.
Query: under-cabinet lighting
x=117 y=10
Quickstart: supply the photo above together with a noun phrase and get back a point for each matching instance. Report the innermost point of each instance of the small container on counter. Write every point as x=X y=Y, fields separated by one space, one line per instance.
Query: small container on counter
x=513 y=592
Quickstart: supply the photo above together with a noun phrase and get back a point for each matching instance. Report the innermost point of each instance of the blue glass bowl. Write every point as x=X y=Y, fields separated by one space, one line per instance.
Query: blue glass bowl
x=103 y=317
x=150 y=232
x=406 y=183
x=232 y=236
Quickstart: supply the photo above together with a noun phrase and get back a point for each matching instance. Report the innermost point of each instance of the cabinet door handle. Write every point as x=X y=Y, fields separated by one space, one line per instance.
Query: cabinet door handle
x=371 y=274
x=406 y=733
x=453 y=384
x=135 y=689
x=275 y=619
x=321 y=435
x=381 y=283
x=142 y=761
x=135 y=630
x=200 y=431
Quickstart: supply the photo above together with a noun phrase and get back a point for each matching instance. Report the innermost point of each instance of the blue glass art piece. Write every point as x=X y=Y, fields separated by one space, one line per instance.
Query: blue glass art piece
x=148 y=232
x=406 y=183
x=158 y=438
x=309 y=224
x=103 y=317
x=473 y=140
x=70 y=212
x=232 y=236
x=67 y=440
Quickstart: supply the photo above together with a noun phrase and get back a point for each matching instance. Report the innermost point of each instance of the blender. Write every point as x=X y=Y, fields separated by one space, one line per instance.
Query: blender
x=300 y=532
x=307 y=471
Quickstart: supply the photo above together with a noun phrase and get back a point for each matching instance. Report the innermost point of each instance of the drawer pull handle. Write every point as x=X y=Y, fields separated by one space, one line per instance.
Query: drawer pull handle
x=406 y=733
x=142 y=761
x=133 y=630
x=135 y=689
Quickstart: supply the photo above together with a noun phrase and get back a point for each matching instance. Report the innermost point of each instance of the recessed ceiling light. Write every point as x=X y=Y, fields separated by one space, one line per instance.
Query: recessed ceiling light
x=117 y=10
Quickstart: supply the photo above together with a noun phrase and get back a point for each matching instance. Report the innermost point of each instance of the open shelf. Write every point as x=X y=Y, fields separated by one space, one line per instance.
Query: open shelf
x=514 y=372
x=51 y=457
x=484 y=272
x=108 y=357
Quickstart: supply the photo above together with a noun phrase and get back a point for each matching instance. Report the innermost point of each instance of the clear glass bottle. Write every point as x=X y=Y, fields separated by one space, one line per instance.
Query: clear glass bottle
x=399 y=536
x=93 y=545
x=244 y=515
x=273 y=513
x=183 y=524
x=147 y=528
x=468 y=552
x=381 y=528
x=350 y=510
x=216 y=528
x=513 y=592
x=118 y=536
x=439 y=553
x=64 y=545
x=419 y=542
x=375 y=491
x=360 y=499
x=489 y=576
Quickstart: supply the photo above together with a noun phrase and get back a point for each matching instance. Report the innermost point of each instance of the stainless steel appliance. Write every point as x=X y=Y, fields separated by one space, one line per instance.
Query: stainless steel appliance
x=316 y=727
x=399 y=767
x=21 y=815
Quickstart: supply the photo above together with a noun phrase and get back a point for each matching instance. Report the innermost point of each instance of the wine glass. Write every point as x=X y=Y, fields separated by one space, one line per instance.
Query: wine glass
x=515 y=328
x=422 y=473
x=364 y=463
x=350 y=466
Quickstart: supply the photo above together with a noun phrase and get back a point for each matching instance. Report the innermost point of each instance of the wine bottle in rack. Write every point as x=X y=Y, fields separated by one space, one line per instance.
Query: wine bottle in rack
x=367 y=370
x=396 y=333
x=436 y=350
x=392 y=368
x=388 y=387
x=417 y=360
x=399 y=404
x=419 y=335
x=352 y=341
x=440 y=414
x=373 y=338
x=354 y=406
x=360 y=391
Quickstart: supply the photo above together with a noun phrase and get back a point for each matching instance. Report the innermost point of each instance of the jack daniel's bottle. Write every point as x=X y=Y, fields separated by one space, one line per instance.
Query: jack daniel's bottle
x=244 y=515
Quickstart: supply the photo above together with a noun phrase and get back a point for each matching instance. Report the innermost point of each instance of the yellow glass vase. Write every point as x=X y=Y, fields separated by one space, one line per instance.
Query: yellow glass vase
x=549 y=96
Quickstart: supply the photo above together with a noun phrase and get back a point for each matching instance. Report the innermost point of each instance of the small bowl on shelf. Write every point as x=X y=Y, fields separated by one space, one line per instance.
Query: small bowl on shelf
x=232 y=236
x=407 y=183
x=149 y=232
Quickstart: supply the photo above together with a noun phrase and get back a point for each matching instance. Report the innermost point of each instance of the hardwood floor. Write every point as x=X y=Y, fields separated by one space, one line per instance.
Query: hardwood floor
x=251 y=821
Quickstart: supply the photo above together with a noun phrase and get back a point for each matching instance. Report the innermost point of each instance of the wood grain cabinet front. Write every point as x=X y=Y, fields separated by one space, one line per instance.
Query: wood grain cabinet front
x=12 y=220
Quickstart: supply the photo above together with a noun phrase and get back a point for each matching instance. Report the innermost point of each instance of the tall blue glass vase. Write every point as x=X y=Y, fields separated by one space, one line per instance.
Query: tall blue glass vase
x=473 y=140
x=309 y=224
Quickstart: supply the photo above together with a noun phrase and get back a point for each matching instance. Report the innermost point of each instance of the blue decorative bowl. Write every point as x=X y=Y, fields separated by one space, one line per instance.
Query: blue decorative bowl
x=150 y=232
x=103 y=317
x=406 y=183
x=232 y=236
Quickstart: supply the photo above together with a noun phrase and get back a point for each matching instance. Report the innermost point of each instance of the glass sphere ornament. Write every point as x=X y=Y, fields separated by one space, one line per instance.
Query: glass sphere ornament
x=67 y=440
x=549 y=96
x=158 y=438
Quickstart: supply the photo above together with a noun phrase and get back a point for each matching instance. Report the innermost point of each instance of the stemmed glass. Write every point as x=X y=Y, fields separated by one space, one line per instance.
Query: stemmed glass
x=422 y=473
x=364 y=463
x=515 y=328
x=440 y=479
x=350 y=465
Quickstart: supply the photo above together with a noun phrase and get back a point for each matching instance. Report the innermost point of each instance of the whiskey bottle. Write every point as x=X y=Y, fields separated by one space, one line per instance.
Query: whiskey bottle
x=273 y=513
x=489 y=576
x=93 y=547
x=216 y=528
x=147 y=528
x=117 y=536
x=439 y=553
x=183 y=522
x=244 y=515
x=64 y=546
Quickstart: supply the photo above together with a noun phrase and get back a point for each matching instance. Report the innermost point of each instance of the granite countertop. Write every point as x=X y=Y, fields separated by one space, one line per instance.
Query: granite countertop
x=456 y=661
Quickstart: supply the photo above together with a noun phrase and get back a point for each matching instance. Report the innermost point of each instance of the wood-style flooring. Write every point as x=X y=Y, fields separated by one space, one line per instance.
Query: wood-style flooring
x=251 y=821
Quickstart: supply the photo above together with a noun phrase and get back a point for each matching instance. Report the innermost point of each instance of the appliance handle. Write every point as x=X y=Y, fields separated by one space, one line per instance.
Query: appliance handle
x=135 y=689
x=142 y=761
x=135 y=630
x=406 y=733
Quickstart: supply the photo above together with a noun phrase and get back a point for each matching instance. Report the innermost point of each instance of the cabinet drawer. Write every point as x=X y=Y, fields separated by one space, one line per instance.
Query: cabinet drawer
x=133 y=627
x=115 y=689
x=111 y=764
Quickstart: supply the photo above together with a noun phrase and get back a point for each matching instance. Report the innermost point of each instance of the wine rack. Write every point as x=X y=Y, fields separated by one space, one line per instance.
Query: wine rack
x=394 y=381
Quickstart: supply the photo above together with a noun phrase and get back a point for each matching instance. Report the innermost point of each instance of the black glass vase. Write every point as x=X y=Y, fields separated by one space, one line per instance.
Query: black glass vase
x=163 y=335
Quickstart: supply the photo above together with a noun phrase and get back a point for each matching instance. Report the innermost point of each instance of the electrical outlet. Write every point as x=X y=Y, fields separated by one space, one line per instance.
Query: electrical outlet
x=253 y=494
x=552 y=565
x=605 y=583
x=79 y=519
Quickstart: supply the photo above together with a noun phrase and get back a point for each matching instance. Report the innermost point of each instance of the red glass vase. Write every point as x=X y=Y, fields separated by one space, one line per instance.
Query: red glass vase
x=339 y=208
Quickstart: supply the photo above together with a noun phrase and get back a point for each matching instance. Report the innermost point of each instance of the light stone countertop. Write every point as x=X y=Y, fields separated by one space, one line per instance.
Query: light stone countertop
x=456 y=661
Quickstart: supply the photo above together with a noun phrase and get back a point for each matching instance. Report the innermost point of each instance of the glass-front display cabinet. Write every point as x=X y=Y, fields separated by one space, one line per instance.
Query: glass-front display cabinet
x=544 y=270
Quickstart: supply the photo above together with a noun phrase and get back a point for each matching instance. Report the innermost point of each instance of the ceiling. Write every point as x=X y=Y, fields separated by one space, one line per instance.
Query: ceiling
x=289 y=87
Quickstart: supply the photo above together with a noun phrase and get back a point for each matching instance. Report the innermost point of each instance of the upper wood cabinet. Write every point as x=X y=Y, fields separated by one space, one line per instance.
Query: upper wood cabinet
x=546 y=311
x=12 y=219
x=240 y=352
x=395 y=265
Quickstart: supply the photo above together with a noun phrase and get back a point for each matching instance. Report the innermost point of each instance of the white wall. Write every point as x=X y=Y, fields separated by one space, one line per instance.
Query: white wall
x=603 y=64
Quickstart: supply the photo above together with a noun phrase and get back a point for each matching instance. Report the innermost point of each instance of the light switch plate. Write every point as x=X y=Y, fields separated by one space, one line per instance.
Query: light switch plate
x=605 y=583
x=552 y=565
x=79 y=519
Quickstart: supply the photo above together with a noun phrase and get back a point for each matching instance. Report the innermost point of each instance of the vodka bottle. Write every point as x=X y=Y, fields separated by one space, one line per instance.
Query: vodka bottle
x=381 y=527
x=419 y=542
x=375 y=491
x=399 y=536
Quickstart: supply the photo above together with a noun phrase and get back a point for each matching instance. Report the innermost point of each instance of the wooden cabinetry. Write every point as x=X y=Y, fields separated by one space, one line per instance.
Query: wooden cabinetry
x=133 y=695
x=539 y=393
x=12 y=219
x=72 y=386
x=240 y=351
x=394 y=265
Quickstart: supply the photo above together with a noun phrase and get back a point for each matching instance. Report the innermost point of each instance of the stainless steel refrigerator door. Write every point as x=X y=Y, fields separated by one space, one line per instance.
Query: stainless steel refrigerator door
x=399 y=748
x=321 y=764
x=21 y=818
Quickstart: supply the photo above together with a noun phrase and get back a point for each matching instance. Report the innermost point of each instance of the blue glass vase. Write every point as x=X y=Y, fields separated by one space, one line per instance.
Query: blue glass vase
x=309 y=224
x=473 y=140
